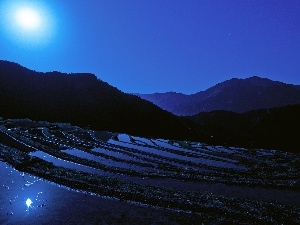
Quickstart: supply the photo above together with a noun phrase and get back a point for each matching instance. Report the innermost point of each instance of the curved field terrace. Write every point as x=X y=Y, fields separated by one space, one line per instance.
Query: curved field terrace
x=177 y=181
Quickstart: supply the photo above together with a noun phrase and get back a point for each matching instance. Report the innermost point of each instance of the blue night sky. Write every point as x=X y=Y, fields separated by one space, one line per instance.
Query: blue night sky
x=143 y=46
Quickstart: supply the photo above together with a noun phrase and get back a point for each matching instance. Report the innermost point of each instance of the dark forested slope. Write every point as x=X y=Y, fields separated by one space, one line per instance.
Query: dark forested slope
x=276 y=128
x=82 y=99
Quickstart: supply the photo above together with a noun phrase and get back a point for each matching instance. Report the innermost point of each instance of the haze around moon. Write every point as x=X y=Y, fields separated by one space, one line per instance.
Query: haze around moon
x=27 y=23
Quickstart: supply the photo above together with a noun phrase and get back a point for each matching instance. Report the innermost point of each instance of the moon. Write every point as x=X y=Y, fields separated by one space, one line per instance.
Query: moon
x=27 y=23
x=28 y=18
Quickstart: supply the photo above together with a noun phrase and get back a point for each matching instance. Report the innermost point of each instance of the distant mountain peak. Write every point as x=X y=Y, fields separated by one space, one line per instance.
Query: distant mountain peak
x=255 y=77
x=259 y=81
x=236 y=94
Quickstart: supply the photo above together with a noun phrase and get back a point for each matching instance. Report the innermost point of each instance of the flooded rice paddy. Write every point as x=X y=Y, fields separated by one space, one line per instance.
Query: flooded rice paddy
x=177 y=181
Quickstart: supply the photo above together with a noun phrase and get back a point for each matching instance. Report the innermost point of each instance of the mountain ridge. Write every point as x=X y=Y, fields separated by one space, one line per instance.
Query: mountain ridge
x=237 y=95
x=83 y=100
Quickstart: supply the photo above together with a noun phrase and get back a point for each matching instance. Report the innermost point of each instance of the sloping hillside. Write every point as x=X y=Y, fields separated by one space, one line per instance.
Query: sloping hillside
x=82 y=99
x=275 y=128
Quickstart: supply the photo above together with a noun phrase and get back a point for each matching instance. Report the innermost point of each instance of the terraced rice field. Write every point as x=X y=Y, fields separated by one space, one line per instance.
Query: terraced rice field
x=210 y=184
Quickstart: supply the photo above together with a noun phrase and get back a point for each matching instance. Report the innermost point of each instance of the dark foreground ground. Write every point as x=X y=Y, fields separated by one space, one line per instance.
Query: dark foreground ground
x=121 y=179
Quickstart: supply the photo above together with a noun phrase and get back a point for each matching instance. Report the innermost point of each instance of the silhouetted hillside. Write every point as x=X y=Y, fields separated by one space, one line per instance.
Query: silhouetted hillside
x=82 y=99
x=236 y=95
x=276 y=128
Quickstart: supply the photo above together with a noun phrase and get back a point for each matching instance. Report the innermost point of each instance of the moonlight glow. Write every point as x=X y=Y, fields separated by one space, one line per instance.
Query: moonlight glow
x=27 y=23
x=28 y=18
